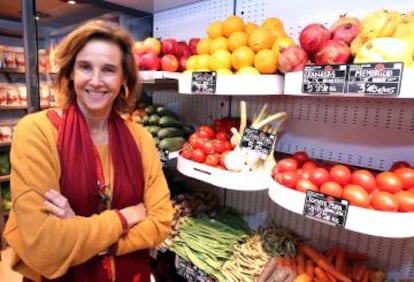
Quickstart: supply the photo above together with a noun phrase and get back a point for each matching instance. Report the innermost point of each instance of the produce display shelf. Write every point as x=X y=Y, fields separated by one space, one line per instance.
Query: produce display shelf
x=4 y=178
x=366 y=221
x=248 y=181
x=293 y=86
x=191 y=272
x=238 y=84
x=13 y=107
x=12 y=70
x=152 y=76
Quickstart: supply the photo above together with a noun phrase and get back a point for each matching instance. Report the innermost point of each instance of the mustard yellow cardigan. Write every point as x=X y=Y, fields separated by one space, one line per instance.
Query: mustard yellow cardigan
x=47 y=246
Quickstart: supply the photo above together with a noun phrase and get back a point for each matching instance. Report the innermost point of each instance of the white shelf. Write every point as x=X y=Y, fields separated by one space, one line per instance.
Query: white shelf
x=249 y=181
x=366 y=221
x=293 y=86
x=151 y=76
x=239 y=84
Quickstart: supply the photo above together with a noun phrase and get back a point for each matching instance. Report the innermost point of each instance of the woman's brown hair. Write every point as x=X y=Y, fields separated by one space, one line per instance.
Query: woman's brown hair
x=68 y=49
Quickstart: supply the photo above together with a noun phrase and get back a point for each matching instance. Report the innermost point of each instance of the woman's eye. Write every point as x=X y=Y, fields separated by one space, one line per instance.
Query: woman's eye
x=109 y=70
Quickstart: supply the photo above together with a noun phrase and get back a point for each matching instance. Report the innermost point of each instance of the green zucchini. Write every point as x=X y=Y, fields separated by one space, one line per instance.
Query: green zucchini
x=153 y=129
x=154 y=119
x=164 y=111
x=167 y=132
x=169 y=121
x=171 y=144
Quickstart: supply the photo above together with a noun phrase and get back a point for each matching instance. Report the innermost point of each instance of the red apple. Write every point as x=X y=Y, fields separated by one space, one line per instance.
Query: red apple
x=152 y=44
x=182 y=63
x=139 y=47
x=183 y=49
x=193 y=45
x=346 y=32
x=149 y=61
x=169 y=46
x=169 y=62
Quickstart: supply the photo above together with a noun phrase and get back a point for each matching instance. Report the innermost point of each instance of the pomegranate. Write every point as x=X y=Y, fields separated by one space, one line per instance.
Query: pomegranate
x=333 y=52
x=346 y=32
x=313 y=36
x=291 y=59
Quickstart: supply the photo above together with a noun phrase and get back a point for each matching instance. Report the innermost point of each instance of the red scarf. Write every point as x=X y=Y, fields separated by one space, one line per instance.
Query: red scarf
x=78 y=184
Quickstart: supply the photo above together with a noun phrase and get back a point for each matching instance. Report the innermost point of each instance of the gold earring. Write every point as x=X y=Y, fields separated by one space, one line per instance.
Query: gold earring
x=126 y=91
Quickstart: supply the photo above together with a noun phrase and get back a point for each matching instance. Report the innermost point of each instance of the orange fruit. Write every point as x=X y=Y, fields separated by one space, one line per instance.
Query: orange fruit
x=215 y=29
x=203 y=46
x=278 y=33
x=232 y=24
x=237 y=39
x=220 y=59
x=242 y=57
x=219 y=43
x=302 y=278
x=248 y=70
x=265 y=61
x=282 y=43
x=259 y=39
x=272 y=23
x=191 y=63
x=203 y=62
x=250 y=26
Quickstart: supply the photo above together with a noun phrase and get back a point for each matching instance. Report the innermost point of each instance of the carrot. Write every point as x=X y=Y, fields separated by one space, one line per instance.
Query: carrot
x=320 y=273
x=360 y=271
x=309 y=268
x=300 y=263
x=340 y=260
x=321 y=261
x=365 y=278
x=331 y=278
x=331 y=253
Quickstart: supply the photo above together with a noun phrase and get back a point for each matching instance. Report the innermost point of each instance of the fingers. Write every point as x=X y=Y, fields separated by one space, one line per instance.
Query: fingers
x=56 y=198
x=56 y=204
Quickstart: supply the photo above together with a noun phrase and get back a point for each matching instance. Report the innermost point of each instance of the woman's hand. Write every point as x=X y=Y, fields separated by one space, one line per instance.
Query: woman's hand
x=134 y=214
x=57 y=205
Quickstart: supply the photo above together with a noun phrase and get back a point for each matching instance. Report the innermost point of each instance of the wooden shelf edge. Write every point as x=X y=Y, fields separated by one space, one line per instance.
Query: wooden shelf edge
x=4 y=178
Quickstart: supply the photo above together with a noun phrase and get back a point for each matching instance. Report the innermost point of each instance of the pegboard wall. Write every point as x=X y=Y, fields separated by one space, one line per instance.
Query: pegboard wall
x=189 y=21
x=297 y=14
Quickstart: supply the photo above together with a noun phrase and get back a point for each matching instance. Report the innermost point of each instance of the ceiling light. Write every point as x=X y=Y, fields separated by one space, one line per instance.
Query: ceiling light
x=71 y=2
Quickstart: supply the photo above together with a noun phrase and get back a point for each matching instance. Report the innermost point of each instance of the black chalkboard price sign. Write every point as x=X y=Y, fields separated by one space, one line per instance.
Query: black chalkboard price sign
x=257 y=141
x=164 y=156
x=375 y=79
x=324 y=79
x=325 y=208
x=203 y=82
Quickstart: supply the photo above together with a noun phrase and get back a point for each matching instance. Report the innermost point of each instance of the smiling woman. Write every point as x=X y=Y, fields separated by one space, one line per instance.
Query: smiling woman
x=92 y=180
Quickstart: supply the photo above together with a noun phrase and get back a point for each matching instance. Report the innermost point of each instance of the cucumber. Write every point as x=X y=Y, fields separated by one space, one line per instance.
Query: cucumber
x=169 y=121
x=171 y=144
x=188 y=130
x=153 y=129
x=167 y=132
x=150 y=110
x=154 y=119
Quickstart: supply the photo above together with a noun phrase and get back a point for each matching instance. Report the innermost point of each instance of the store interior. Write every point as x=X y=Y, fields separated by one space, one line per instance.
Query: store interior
x=359 y=130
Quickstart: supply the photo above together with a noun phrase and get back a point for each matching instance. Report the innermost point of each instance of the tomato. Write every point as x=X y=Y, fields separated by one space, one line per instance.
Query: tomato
x=208 y=147
x=206 y=130
x=388 y=181
x=212 y=160
x=399 y=164
x=278 y=177
x=407 y=176
x=356 y=195
x=384 y=201
x=219 y=146
x=289 y=178
x=304 y=173
x=198 y=155
x=365 y=179
x=275 y=169
x=186 y=150
x=301 y=157
x=331 y=188
x=319 y=176
x=341 y=174
x=222 y=135
x=222 y=157
x=287 y=164
x=227 y=145
x=193 y=139
x=405 y=200
x=309 y=165
x=304 y=184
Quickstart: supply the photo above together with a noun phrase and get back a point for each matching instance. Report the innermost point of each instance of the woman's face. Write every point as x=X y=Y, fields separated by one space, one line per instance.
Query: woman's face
x=97 y=77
